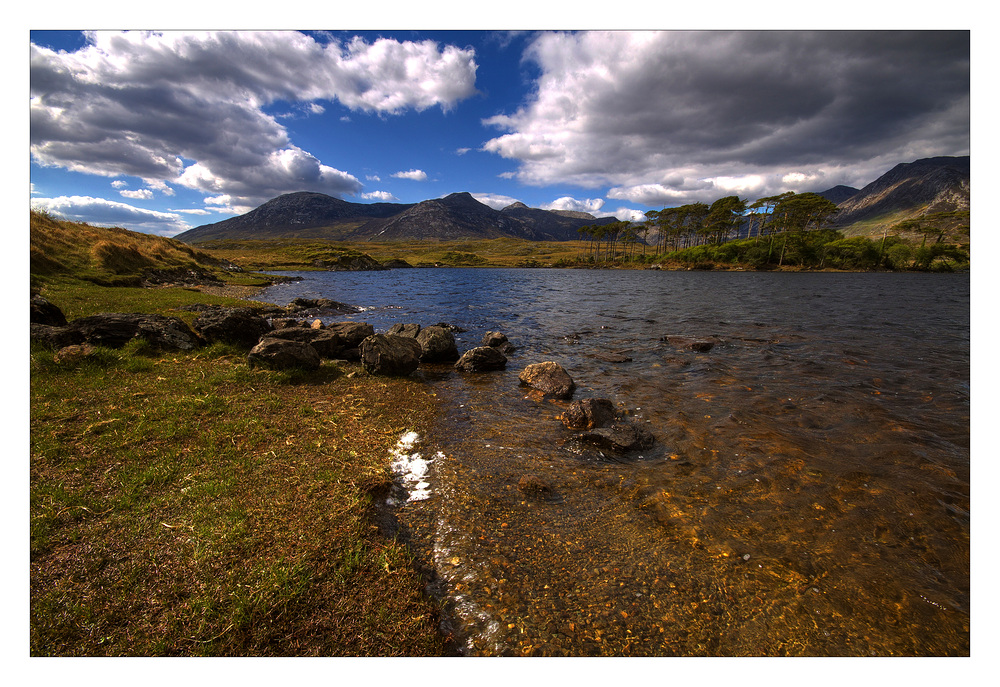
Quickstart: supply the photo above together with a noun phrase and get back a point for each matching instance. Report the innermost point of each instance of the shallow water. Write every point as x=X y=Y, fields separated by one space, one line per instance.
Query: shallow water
x=808 y=493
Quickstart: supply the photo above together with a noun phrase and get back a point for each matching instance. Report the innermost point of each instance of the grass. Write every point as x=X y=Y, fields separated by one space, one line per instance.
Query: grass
x=299 y=254
x=191 y=505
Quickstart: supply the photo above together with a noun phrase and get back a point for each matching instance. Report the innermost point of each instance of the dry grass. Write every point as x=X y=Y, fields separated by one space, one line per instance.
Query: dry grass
x=192 y=506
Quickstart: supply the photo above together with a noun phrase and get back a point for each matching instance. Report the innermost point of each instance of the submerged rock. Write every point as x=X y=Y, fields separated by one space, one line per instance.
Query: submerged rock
x=589 y=413
x=550 y=378
x=621 y=437
x=690 y=343
x=533 y=485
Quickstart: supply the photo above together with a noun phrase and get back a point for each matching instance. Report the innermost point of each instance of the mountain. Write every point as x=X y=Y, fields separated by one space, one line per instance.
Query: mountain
x=457 y=216
x=838 y=194
x=294 y=215
x=934 y=184
x=553 y=225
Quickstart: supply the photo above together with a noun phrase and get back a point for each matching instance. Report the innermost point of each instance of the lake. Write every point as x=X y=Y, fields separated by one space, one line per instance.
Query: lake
x=807 y=494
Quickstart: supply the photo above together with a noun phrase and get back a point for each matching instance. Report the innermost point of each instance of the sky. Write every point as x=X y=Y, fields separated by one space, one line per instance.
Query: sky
x=164 y=131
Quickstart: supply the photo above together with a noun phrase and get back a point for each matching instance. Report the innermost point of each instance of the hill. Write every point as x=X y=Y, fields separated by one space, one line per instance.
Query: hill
x=296 y=215
x=115 y=256
x=925 y=187
x=458 y=216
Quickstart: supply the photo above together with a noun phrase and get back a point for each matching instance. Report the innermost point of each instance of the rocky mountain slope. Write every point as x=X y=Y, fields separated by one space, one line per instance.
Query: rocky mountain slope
x=930 y=185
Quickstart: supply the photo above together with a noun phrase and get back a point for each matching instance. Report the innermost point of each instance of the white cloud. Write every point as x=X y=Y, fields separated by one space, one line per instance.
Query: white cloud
x=383 y=196
x=673 y=117
x=493 y=200
x=138 y=194
x=412 y=175
x=372 y=177
x=591 y=205
x=462 y=151
x=187 y=108
x=118 y=183
x=190 y=211
x=102 y=212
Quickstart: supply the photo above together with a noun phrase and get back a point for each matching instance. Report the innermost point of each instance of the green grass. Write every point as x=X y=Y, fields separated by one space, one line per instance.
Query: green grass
x=191 y=505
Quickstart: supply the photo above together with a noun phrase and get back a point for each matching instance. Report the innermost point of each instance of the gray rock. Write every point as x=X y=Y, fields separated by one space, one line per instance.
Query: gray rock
x=238 y=326
x=328 y=344
x=437 y=344
x=388 y=354
x=400 y=329
x=283 y=354
x=481 y=359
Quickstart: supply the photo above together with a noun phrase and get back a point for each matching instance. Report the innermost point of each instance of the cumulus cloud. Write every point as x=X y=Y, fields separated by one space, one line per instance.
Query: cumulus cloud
x=188 y=108
x=667 y=117
x=383 y=196
x=139 y=194
x=412 y=175
x=109 y=213
x=591 y=205
x=495 y=201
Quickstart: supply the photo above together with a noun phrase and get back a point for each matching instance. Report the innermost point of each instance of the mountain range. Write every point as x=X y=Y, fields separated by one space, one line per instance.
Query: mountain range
x=457 y=216
x=907 y=190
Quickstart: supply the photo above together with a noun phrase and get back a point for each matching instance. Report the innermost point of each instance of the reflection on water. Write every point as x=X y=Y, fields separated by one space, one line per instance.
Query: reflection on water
x=808 y=493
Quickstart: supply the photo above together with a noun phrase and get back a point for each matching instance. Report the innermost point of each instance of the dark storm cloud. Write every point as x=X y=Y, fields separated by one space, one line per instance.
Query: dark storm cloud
x=674 y=109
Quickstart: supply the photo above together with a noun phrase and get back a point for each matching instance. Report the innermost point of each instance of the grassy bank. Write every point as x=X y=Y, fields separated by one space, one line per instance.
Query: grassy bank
x=190 y=505
x=184 y=504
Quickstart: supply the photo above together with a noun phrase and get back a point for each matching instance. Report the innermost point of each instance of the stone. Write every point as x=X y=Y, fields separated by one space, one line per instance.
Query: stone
x=400 y=329
x=589 y=413
x=690 y=343
x=351 y=335
x=114 y=330
x=71 y=355
x=44 y=312
x=437 y=344
x=533 y=485
x=493 y=339
x=328 y=344
x=283 y=354
x=481 y=359
x=388 y=354
x=621 y=437
x=550 y=378
x=238 y=326
x=316 y=324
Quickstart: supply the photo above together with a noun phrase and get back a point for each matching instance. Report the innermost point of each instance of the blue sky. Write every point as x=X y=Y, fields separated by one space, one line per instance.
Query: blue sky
x=161 y=132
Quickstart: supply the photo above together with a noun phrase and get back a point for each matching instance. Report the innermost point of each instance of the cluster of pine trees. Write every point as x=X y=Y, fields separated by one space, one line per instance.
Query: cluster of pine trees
x=786 y=229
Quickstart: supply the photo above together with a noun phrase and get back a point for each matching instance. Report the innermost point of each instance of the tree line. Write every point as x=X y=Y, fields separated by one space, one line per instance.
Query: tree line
x=785 y=229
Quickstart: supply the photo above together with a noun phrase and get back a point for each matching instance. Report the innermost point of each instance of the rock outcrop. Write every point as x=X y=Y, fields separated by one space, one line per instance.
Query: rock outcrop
x=481 y=359
x=283 y=354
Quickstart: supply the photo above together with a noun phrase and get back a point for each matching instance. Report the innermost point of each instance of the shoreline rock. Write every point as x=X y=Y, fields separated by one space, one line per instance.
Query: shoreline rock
x=550 y=378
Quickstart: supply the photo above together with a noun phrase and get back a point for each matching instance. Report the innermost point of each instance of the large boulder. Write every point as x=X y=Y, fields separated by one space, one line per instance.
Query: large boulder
x=589 y=413
x=351 y=334
x=114 y=330
x=388 y=354
x=44 y=312
x=283 y=354
x=550 y=378
x=437 y=344
x=621 y=437
x=481 y=359
x=326 y=343
x=401 y=329
x=238 y=326
x=55 y=338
